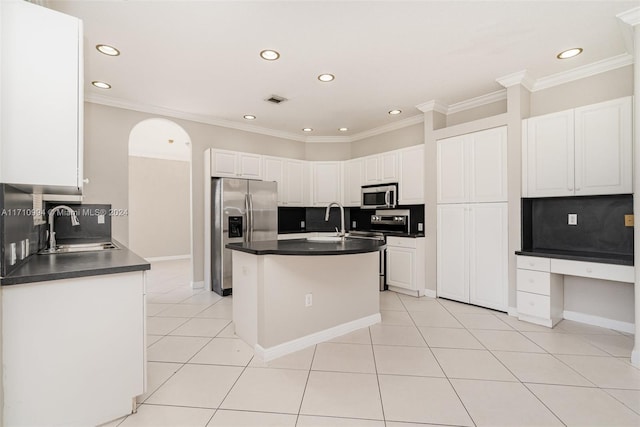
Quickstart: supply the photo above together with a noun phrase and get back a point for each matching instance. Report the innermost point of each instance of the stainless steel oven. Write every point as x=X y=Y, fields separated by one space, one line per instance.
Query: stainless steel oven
x=379 y=196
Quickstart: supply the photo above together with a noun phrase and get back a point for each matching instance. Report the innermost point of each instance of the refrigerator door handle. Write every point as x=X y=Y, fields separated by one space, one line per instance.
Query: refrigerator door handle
x=247 y=209
x=250 y=217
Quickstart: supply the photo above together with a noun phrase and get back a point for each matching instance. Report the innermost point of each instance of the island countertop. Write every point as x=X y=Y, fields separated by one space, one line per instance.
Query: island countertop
x=308 y=247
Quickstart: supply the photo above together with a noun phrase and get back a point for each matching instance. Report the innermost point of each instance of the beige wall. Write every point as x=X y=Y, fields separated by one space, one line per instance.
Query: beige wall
x=400 y=138
x=328 y=151
x=477 y=113
x=159 y=207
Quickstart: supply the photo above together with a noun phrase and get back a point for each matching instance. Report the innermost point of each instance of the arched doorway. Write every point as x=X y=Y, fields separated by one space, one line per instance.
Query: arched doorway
x=160 y=190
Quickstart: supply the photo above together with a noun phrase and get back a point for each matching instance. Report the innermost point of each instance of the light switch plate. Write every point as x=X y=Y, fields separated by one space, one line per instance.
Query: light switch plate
x=101 y=219
x=572 y=219
x=420 y=226
x=12 y=254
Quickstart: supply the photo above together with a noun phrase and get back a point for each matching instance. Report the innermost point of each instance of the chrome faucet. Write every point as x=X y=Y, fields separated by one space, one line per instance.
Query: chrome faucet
x=52 y=212
x=342 y=233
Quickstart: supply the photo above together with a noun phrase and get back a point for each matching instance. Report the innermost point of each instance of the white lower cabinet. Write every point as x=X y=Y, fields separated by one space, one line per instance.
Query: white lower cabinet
x=405 y=263
x=540 y=297
x=472 y=254
x=73 y=349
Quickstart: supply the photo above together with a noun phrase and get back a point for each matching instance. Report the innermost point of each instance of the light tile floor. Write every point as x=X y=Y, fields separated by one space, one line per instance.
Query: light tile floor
x=430 y=362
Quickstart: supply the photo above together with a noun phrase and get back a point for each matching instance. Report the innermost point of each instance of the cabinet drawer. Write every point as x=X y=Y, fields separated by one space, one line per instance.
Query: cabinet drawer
x=533 y=263
x=538 y=282
x=401 y=242
x=534 y=305
x=596 y=270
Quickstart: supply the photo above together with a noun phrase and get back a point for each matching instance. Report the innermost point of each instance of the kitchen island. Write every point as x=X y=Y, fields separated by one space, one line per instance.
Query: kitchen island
x=291 y=294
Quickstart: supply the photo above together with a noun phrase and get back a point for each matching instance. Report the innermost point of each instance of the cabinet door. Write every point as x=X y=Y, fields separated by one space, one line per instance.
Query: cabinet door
x=452 y=152
x=294 y=183
x=488 y=255
x=488 y=165
x=550 y=155
x=273 y=168
x=603 y=141
x=452 y=253
x=389 y=169
x=352 y=182
x=249 y=166
x=372 y=170
x=327 y=183
x=223 y=163
x=411 y=176
x=401 y=267
x=42 y=97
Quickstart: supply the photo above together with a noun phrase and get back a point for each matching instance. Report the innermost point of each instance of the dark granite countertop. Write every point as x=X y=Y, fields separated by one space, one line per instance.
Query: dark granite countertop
x=42 y=268
x=386 y=233
x=307 y=247
x=605 y=258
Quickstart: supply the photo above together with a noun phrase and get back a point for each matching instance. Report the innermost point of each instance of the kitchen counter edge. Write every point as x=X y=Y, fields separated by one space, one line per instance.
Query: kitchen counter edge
x=580 y=256
x=304 y=247
x=45 y=268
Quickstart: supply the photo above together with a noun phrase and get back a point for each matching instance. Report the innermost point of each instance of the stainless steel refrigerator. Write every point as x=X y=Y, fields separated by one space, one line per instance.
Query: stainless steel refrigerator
x=241 y=211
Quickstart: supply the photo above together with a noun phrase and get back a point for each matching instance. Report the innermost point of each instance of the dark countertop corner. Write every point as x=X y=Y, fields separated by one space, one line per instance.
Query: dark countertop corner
x=306 y=247
x=42 y=268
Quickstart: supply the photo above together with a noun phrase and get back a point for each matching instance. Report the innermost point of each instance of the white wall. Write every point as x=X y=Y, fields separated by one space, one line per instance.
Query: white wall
x=159 y=207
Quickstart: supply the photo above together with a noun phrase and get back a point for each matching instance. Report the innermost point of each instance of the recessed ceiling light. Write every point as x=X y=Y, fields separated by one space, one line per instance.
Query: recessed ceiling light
x=326 y=77
x=395 y=112
x=269 y=55
x=249 y=117
x=569 y=53
x=307 y=130
x=101 y=85
x=343 y=129
x=108 y=50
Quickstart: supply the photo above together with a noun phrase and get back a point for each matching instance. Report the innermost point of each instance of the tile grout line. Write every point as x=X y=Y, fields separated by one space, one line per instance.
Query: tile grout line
x=375 y=367
x=304 y=391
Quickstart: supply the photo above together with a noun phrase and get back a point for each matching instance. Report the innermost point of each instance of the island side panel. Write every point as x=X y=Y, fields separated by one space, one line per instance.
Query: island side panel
x=246 y=269
x=344 y=288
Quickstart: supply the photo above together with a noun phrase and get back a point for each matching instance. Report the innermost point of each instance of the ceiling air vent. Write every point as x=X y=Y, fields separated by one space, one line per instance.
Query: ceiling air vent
x=276 y=99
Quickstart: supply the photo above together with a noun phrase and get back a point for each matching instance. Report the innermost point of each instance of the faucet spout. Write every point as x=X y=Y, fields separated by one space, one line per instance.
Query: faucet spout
x=52 y=212
x=326 y=217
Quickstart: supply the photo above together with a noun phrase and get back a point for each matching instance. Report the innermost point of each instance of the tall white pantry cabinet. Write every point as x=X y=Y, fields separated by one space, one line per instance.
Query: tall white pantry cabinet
x=472 y=251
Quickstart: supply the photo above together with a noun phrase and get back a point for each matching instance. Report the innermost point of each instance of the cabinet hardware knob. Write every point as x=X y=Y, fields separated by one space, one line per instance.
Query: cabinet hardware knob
x=86 y=180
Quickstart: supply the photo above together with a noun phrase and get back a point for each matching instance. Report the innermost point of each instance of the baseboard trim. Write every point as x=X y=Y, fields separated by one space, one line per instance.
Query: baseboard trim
x=603 y=322
x=512 y=311
x=197 y=285
x=267 y=354
x=635 y=358
x=167 y=258
x=430 y=293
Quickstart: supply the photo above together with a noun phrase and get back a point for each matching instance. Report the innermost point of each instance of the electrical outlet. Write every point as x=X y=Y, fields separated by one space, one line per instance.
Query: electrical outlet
x=420 y=226
x=353 y=224
x=628 y=220
x=302 y=224
x=308 y=300
x=23 y=249
x=572 y=219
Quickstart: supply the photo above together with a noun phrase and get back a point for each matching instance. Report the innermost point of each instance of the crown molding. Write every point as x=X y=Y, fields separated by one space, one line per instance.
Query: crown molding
x=153 y=109
x=631 y=16
x=327 y=139
x=478 y=101
x=519 y=78
x=588 y=70
x=409 y=121
x=433 y=105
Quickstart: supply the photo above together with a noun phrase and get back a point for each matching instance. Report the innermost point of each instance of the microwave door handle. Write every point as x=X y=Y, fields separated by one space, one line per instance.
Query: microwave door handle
x=387 y=198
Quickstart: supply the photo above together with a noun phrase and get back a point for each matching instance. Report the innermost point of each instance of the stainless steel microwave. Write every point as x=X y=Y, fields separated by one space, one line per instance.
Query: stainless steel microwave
x=379 y=196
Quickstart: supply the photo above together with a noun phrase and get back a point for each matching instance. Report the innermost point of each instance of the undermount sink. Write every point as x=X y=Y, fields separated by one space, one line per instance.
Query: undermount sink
x=325 y=239
x=80 y=247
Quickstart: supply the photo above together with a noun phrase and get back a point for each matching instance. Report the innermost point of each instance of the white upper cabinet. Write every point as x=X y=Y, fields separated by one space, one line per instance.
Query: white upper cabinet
x=42 y=98
x=603 y=163
x=273 y=170
x=237 y=165
x=411 y=175
x=326 y=180
x=473 y=167
x=353 y=171
x=381 y=168
x=583 y=151
x=296 y=183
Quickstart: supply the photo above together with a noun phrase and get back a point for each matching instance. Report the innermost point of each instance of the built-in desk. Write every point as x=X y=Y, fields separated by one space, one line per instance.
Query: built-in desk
x=540 y=284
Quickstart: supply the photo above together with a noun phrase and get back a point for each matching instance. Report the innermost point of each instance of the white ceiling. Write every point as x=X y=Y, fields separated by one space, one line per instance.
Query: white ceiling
x=201 y=58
